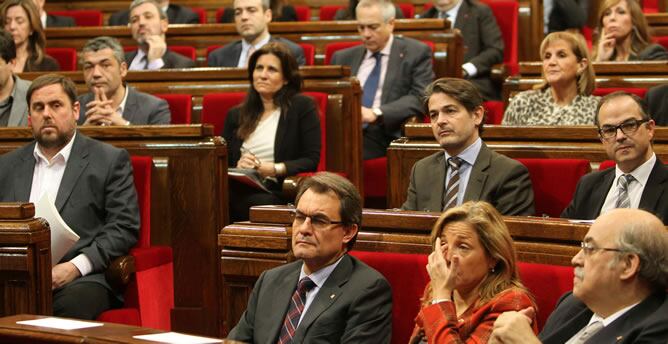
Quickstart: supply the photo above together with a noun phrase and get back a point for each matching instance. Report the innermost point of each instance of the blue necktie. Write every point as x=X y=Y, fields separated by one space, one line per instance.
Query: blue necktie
x=371 y=84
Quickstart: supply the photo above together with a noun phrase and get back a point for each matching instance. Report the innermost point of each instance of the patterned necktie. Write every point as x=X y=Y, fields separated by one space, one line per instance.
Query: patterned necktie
x=251 y=50
x=451 y=192
x=623 y=200
x=371 y=84
x=443 y=15
x=589 y=331
x=144 y=61
x=295 y=311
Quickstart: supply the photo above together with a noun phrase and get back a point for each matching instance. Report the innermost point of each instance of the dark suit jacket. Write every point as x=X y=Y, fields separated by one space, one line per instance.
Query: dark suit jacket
x=176 y=14
x=297 y=142
x=483 y=42
x=353 y=306
x=409 y=71
x=228 y=56
x=48 y=64
x=140 y=108
x=652 y=52
x=18 y=115
x=566 y=14
x=96 y=198
x=494 y=178
x=287 y=14
x=59 y=21
x=170 y=58
x=593 y=188
x=647 y=322
x=656 y=99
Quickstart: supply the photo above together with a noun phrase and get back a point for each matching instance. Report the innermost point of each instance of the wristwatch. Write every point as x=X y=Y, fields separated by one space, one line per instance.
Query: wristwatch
x=377 y=112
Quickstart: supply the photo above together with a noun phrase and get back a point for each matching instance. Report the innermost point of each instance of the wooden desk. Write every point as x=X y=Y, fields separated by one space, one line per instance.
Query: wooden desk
x=658 y=22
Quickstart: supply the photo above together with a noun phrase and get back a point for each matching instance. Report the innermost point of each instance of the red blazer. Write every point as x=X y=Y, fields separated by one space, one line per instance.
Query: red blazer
x=439 y=322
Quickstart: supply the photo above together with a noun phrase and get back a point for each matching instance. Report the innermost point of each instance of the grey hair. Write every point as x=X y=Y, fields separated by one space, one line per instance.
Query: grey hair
x=137 y=3
x=266 y=4
x=104 y=42
x=387 y=7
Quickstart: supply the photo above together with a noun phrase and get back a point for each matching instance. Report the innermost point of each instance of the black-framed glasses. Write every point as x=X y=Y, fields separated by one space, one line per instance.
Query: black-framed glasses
x=588 y=248
x=317 y=221
x=627 y=127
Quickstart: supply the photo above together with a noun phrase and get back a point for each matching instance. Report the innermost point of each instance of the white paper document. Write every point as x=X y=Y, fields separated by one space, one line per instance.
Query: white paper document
x=173 y=337
x=62 y=236
x=58 y=323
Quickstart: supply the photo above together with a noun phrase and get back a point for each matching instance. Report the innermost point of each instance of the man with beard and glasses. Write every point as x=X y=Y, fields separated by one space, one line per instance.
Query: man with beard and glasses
x=619 y=288
x=92 y=186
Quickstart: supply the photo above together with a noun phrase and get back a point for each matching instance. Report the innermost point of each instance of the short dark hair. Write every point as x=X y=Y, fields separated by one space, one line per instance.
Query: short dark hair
x=53 y=79
x=7 y=47
x=463 y=91
x=644 y=114
x=349 y=198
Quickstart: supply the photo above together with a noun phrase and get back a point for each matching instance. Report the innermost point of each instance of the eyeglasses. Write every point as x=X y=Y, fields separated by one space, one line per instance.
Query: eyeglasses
x=628 y=127
x=317 y=221
x=588 y=248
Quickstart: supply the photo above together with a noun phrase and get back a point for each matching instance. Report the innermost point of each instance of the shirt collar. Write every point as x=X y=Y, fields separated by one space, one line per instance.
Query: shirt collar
x=642 y=172
x=63 y=154
x=320 y=277
x=245 y=45
x=385 y=51
x=12 y=96
x=614 y=316
x=470 y=154
x=452 y=13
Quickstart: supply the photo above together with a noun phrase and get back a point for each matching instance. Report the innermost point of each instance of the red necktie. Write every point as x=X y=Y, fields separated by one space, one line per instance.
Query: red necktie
x=295 y=311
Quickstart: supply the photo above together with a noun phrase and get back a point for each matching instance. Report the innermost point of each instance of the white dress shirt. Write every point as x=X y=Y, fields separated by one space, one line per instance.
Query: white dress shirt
x=245 y=46
x=369 y=63
x=319 y=278
x=469 y=156
x=635 y=188
x=138 y=62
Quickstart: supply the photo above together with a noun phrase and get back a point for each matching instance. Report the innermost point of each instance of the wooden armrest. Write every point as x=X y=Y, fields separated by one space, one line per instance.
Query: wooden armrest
x=290 y=187
x=120 y=271
x=499 y=73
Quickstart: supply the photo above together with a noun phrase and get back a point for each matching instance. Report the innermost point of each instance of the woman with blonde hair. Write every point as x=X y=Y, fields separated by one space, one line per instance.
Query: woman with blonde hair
x=565 y=95
x=474 y=277
x=623 y=34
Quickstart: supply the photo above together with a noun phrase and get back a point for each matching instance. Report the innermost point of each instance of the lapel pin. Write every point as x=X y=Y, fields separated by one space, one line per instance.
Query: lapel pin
x=332 y=296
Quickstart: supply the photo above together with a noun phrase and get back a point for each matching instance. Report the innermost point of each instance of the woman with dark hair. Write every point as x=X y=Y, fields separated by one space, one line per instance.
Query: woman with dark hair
x=275 y=131
x=21 y=19
x=474 y=278
x=281 y=12
x=623 y=34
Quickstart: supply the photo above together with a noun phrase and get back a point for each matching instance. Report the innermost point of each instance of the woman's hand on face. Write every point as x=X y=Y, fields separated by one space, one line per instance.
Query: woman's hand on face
x=442 y=276
x=606 y=46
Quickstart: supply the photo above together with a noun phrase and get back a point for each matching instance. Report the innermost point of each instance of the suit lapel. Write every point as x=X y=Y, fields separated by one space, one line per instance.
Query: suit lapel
x=600 y=192
x=281 y=131
x=656 y=186
x=18 y=108
x=625 y=323
x=478 y=175
x=569 y=327
x=23 y=175
x=76 y=164
x=237 y=54
x=463 y=16
x=131 y=106
x=282 y=297
x=397 y=54
x=357 y=58
x=437 y=182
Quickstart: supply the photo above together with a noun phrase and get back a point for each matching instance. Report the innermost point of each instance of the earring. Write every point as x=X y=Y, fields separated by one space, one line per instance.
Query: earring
x=491 y=270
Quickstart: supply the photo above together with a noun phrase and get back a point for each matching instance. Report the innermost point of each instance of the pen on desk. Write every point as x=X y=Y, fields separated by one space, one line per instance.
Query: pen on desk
x=256 y=161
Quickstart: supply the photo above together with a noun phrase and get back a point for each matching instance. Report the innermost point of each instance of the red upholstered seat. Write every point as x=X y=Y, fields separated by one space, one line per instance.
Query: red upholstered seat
x=303 y=12
x=663 y=40
x=201 y=13
x=407 y=9
x=606 y=165
x=180 y=105
x=149 y=297
x=650 y=6
x=82 y=17
x=494 y=111
x=309 y=53
x=506 y=13
x=331 y=48
x=547 y=283
x=602 y=91
x=375 y=182
x=66 y=57
x=554 y=182
x=327 y=12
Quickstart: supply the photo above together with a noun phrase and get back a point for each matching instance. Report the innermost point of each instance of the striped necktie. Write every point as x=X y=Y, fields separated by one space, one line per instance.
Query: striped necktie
x=295 y=311
x=588 y=332
x=623 y=182
x=451 y=192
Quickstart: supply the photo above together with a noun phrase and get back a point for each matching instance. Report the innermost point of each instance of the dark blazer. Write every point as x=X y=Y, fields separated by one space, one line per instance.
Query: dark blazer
x=170 y=58
x=494 y=178
x=297 y=142
x=483 y=42
x=287 y=14
x=566 y=14
x=353 y=306
x=228 y=55
x=176 y=14
x=59 y=21
x=593 y=188
x=652 y=52
x=656 y=99
x=409 y=71
x=140 y=108
x=647 y=322
x=96 y=198
x=48 y=64
x=18 y=115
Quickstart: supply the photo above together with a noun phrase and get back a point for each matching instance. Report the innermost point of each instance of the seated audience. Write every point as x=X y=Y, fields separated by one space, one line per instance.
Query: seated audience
x=619 y=289
x=280 y=12
x=473 y=275
x=565 y=96
x=276 y=130
x=21 y=19
x=656 y=99
x=176 y=14
x=252 y=18
x=483 y=41
x=92 y=187
x=349 y=13
x=109 y=100
x=639 y=179
x=13 y=106
x=467 y=170
x=149 y=24
x=394 y=71
x=623 y=34
x=326 y=295
x=49 y=20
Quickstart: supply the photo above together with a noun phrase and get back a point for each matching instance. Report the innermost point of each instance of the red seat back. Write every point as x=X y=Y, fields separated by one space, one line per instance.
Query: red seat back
x=602 y=91
x=506 y=13
x=554 y=182
x=407 y=9
x=82 y=17
x=606 y=165
x=375 y=181
x=650 y=6
x=201 y=13
x=547 y=283
x=219 y=14
x=141 y=171
x=663 y=40
x=327 y=12
x=66 y=57
x=215 y=107
x=494 y=111
x=320 y=100
x=303 y=12
x=309 y=53
x=331 y=48
x=180 y=105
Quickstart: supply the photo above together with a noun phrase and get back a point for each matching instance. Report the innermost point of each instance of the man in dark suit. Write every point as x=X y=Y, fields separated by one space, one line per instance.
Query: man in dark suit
x=467 y=170
x=251 y=18
x=49 y=20
x=483 y=42
x=326 y=296
x=619 y=289
x=93 y=190
x=639 y=180
x=148 y=24
x=176 y=14
x=110 y=101
x=13 y=106
x=394 y=71
x=656 y=99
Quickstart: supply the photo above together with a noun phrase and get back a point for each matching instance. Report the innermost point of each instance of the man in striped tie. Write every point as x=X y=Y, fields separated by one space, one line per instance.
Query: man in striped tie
x=467 y=170
x=326 y=296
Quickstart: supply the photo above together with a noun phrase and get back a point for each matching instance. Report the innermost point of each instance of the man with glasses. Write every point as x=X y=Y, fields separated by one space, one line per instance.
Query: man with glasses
x=326 y=296
x=619 y=288
x=639 y=179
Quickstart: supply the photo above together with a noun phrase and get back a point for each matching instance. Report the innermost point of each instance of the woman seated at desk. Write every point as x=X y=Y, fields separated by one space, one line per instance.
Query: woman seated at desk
x=275 y=131
x=21 y=19
x=564 y=97
x=623 y=34
x=474 y=277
